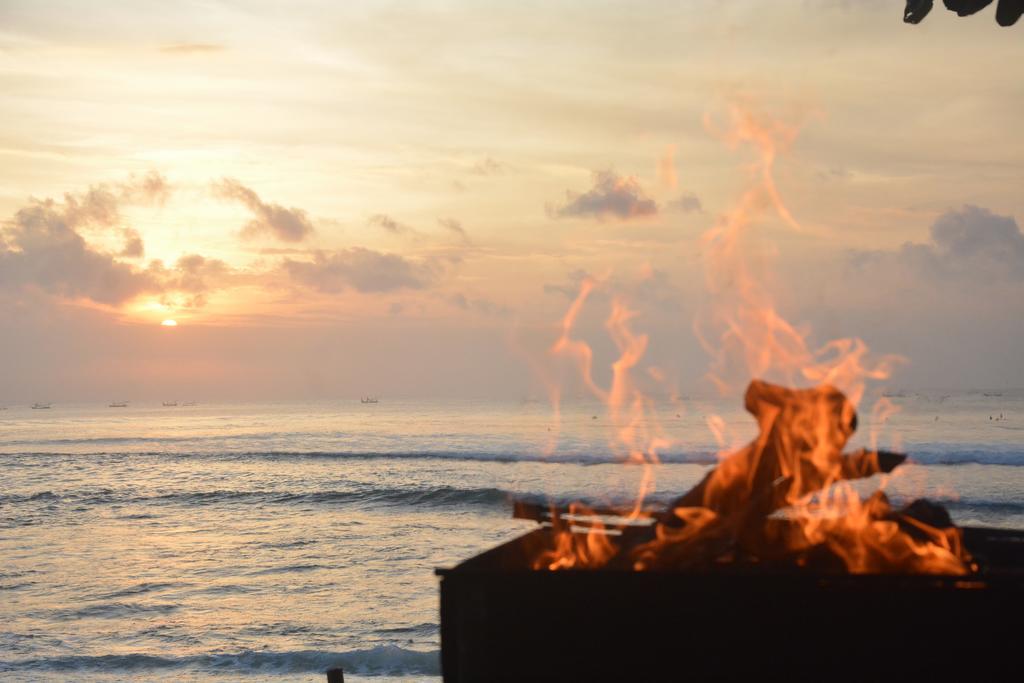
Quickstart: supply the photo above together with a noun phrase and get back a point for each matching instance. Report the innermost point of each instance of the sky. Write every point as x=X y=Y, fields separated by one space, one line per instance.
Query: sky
x=403 y=199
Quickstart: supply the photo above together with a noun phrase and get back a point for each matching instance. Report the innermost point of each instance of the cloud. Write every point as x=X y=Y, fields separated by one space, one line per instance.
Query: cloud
x=287 y=225
x=197 y=274
x=190 y=48
x=455 y=227
x=459 y=300
x=971 y=243
x=361 y=269
x=98 y=205
x=40 y=248
x=193 y=275
x=382 y=220
x=612 y=196
x=101 y=204
x=151 y=188
x=571 y=290
x=653 y=288
x=487 y=166
x=834 y=173
x=188 y=282
x=133 y=246
x=481 y=306
x=281 y=251
x=687 y=203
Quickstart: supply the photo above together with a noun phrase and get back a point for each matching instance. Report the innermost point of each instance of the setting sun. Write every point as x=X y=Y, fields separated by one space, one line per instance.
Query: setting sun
x=170 y=323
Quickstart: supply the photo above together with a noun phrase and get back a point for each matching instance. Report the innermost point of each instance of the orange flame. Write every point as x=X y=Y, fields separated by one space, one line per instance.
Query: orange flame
x=798 y=453
x=866 y=537
x=796 y=467
x=575 y=550
x=743 y=332
x=637 y=436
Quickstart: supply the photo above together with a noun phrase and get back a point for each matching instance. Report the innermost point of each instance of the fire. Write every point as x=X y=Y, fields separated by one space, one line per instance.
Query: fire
x=575 y=550
x=785 y=497
x=797 y=466
x=636 y=434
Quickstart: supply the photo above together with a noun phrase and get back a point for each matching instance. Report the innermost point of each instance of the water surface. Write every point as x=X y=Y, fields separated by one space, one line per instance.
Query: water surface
x=271 y=541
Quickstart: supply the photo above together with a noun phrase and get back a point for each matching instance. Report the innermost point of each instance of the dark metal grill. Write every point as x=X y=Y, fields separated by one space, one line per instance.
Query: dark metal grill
x=502 y=621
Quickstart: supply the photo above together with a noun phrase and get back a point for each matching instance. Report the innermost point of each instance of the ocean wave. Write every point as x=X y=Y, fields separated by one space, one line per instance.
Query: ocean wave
x=290 y=569
x=52 y=497
x=428 y=496
x=561 y=458
x=115 y=440
x=967 y=456
x=930 y=455
x=388 y=660
x=927 y=454
x=433 y=496
x=989 y=506
x=107 y=441
x=428 y=628
x=413 y=497
x=139 y=589
x=112 y=610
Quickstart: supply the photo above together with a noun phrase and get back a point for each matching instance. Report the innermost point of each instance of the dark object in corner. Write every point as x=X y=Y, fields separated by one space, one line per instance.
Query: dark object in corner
x=916 y=11
x=1007 y=11
x=335 y=675
x=965 y=8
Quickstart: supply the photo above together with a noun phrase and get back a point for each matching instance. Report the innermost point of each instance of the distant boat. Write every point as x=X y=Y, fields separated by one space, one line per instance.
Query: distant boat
x=368 y=399
x=189 y=403
x=118 y=404
x=992 y=394
x=170 y=404
x=41 y=406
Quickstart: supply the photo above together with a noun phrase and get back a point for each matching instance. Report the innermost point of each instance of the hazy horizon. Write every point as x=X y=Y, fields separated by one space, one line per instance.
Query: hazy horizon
x=577 y=400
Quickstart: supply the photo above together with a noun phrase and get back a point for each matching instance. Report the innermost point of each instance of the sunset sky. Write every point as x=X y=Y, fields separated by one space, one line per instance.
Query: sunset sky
x=337 y=199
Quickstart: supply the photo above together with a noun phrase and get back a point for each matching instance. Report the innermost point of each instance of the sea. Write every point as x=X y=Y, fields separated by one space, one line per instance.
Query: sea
x=272 y=541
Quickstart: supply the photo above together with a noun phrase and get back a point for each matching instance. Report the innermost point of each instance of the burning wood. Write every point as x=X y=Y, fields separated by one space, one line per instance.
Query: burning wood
x=798 y=451
x=781 y=501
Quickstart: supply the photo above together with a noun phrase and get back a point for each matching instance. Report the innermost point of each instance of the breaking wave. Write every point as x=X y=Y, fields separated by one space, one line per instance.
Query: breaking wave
x=927 y=454
x=414 y=497
x=385 y=660
x=429 y=496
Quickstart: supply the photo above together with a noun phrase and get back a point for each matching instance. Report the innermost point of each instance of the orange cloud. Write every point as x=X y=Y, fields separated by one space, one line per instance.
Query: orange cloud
x=613 y=196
